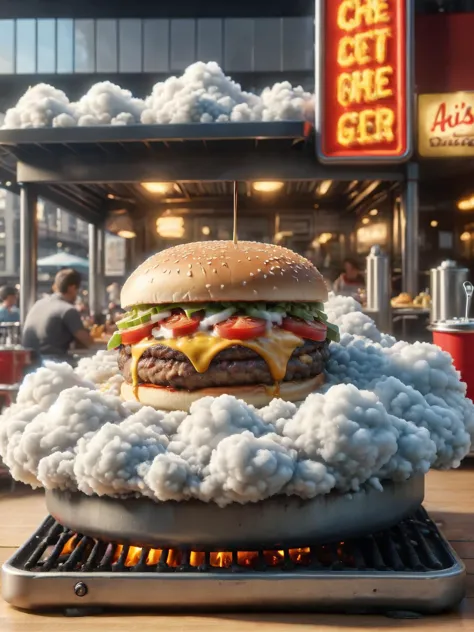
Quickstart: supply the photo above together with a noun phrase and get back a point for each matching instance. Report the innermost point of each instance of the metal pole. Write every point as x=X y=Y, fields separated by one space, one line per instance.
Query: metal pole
x=410 y=222
x=93 y=270
x=101 y=285
x=28 y=249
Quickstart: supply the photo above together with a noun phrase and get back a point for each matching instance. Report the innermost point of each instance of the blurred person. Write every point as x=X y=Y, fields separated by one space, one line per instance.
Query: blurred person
x=53 y=323
x=9 y=312
x=351 y=281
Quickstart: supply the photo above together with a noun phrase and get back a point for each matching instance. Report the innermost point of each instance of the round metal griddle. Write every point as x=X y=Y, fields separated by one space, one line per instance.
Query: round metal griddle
x=280 y=521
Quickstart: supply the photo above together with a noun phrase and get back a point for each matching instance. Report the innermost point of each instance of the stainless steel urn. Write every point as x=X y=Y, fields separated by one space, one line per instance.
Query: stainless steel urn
x=447 y=293
x=378 y=288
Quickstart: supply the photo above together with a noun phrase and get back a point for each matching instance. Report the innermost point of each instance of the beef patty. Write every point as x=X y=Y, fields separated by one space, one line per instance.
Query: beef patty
x=235 y=366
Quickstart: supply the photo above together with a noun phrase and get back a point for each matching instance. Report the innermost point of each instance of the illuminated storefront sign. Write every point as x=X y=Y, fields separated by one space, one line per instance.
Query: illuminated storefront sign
x=446 y=125
x=363 y=78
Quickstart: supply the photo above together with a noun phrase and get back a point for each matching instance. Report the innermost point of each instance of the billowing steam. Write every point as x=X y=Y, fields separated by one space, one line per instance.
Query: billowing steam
x=203 y=94
x=389 y=410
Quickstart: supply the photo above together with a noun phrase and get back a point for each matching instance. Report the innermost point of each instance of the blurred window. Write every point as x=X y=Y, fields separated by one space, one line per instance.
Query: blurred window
x=7 y=40
x=84 y=46
x=298 y=43
x=209 y=40
x=156 y=44
x=46 y=46
x=26 y=47
x=65 y=46
x=106 y=31
x=239 y=44
x=130 y=45
x=268 y=44
x=183 y=44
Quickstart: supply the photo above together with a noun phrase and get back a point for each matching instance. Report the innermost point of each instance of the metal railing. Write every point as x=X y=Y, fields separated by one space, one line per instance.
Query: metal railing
x=10 y=334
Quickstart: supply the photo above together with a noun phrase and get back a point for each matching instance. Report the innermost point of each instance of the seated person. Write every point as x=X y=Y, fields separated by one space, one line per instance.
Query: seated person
x=53 y=323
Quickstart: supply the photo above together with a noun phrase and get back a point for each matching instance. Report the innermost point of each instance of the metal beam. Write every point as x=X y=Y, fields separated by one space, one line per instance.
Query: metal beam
x=28 y=249
x=194 y=166
x=410 y=222
x=152 y=133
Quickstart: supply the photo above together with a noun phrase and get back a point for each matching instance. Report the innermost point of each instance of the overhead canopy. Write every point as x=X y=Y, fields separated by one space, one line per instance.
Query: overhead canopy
x=98 y=169
x=63 y=260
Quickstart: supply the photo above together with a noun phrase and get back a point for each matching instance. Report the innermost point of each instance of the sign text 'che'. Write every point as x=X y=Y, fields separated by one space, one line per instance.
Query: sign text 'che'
x=363 y=83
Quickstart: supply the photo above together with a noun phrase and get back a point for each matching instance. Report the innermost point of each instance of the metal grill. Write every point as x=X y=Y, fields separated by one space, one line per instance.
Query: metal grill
x=414 y=545
x=407 y=568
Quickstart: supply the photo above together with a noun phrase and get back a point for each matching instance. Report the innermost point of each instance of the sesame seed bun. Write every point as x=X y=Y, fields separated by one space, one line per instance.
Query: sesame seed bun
x=258 y=395
x=216 y=271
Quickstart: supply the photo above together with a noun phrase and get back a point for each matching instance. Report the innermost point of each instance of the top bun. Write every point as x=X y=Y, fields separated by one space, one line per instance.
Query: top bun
x=216 y=271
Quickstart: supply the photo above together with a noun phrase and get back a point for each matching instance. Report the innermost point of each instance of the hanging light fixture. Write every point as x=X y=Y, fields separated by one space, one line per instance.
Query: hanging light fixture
x=120 y=223
x=159 y=188
x=324 y=187
x=170 y=227
x=270 y=186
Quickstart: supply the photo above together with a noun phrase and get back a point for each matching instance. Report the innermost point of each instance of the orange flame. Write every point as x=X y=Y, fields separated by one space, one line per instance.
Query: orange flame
x=217 y=559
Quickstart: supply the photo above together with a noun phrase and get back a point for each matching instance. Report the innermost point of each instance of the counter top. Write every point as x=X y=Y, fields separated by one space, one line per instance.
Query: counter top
x=449 y=500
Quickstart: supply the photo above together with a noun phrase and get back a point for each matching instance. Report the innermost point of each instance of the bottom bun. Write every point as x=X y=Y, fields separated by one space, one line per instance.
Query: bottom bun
x=258 y=396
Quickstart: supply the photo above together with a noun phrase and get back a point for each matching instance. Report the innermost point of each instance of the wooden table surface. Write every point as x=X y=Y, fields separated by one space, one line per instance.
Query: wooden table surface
x=449 y=499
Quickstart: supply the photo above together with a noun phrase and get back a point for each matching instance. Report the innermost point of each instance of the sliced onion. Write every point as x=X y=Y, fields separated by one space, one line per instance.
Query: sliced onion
x=162 y=333
x=271 y=317
x=155 y=318
x=215 y=319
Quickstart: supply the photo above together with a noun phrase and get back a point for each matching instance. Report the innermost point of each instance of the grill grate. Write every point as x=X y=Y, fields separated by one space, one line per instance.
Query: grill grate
x=412 y=546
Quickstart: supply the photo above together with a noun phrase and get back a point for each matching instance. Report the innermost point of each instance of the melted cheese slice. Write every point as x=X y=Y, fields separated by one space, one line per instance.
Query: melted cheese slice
x=275 y=348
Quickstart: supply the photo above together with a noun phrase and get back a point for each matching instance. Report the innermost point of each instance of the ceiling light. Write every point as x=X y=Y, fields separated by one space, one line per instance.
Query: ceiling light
x=365 y=220
x=205 y=230
x=126 y=234
x=465 y=236
x=170 y=227
x=324 y=238
x=433 y=224
x=160 y=188
x=373 y=212
x=324 y=187
x=268 y=187
x=467 y=204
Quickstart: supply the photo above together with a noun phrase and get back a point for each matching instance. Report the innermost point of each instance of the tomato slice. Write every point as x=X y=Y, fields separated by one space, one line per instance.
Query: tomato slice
x=181 y=325
x=241 y=328
x=137 y=334
x=304 y=329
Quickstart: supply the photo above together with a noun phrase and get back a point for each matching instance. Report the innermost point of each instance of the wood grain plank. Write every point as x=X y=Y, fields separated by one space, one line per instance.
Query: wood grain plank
x=449 y=498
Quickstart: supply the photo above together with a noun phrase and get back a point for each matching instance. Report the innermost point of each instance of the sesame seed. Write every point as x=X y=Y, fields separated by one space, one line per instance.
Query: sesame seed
x=252 y=274
x=215 y=271
x=190 y=265
x=189 y=274
x=222 y=287
x=208 y=285
x=244 y=282
x=265 y=276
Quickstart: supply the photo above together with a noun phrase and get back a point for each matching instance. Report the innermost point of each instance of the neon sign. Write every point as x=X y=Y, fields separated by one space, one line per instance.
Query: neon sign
x=363 y=113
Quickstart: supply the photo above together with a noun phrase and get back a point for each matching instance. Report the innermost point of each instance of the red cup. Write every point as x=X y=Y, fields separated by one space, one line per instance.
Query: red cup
x=13 y=363
x=457 y=338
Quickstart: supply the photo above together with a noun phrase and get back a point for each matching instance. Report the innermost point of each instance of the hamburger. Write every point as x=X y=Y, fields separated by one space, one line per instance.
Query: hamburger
x=216 y=317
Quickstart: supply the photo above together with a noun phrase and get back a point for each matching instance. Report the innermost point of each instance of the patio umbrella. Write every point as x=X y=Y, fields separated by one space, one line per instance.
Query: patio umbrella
x=63 y=260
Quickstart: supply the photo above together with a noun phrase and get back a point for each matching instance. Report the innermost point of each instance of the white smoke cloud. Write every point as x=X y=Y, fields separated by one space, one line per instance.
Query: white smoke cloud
x=389 y=410
x=203 y=94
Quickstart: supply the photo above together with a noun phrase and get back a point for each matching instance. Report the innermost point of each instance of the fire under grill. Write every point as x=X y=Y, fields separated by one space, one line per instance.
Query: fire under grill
x=409 y=568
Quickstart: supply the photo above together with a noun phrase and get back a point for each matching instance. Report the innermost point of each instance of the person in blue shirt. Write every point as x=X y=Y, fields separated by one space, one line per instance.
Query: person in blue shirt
x=9 y=312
